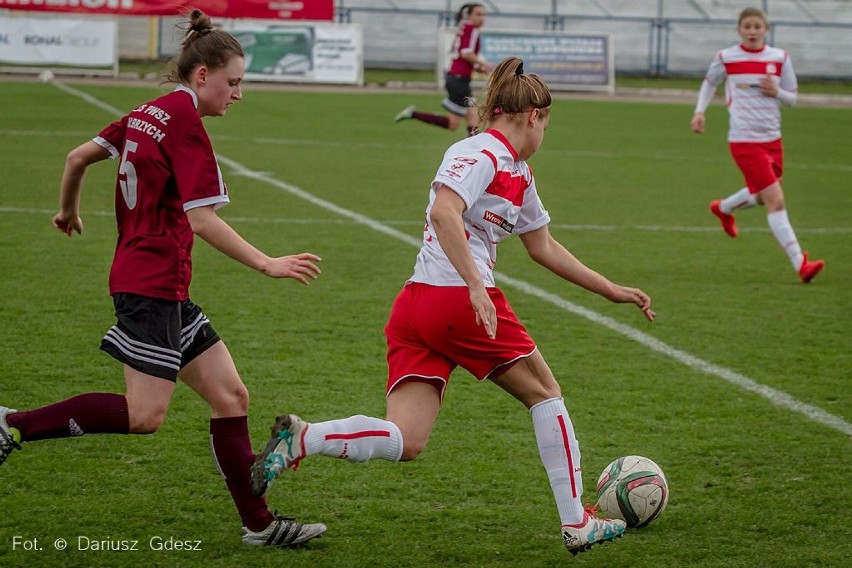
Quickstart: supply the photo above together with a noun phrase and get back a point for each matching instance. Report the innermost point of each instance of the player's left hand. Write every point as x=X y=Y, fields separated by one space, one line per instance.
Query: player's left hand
x=300 y=267
x=638 y=297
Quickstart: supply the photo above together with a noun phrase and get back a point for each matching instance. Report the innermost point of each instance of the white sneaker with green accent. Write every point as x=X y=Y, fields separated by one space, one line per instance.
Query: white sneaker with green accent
x=284 y=450
x=592 y=530
x=405 y=113
x=10 y=439
x=283 y=532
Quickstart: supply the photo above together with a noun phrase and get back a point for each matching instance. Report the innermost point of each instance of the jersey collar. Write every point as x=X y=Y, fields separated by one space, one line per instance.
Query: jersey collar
x=749 y=50
x=191 y=93
x=499 y=136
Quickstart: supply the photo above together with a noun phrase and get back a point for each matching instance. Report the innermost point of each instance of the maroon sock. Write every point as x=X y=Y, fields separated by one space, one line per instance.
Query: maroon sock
x=92 y=413
x=231 y=445
x=429 y=118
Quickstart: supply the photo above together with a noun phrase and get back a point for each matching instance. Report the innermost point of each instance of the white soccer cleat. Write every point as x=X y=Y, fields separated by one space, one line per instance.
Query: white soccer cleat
x=8 y=440
x=283 y=532
x=592 y=530
x=284 y=450
x=405 y=113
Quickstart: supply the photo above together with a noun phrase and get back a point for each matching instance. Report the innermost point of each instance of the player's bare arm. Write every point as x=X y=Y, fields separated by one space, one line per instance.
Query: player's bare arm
x=78 y=160
x=446 y=219
x=548 y=252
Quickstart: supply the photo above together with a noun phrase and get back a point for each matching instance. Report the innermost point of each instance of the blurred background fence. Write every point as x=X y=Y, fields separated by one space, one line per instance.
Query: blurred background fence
x=650 y=37
x=653 y=37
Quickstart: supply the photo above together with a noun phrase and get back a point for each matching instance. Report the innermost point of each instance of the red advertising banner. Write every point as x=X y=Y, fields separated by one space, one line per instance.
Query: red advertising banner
x=317 y=10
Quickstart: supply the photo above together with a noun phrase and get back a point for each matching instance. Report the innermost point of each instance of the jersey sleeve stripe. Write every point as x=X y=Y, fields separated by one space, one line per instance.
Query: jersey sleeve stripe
x=106 y=145
x=216 y=201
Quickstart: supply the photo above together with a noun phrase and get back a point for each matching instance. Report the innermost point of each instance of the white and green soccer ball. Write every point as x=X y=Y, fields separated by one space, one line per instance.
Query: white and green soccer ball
x=633 y=489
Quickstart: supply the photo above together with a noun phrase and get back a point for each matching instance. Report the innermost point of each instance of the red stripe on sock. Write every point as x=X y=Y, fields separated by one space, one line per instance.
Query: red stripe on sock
x=362 y=434
x=567 y=447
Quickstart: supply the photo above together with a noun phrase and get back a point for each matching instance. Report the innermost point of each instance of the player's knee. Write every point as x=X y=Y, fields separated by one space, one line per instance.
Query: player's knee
x=410 y=451
x=147 y=421
x=233 y=401
x=413 y=444
x=241 y=399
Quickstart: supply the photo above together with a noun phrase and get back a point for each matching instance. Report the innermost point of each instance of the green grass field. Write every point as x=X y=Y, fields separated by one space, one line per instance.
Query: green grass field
x=737 y=390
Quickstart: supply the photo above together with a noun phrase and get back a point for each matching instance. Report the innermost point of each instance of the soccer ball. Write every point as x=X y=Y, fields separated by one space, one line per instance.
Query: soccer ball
x=633 y=489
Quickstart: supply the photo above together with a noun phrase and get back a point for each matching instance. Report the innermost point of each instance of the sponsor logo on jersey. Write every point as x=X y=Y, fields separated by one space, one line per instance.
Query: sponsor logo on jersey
x=459 y=168
x=498 y=220
x=771 y=69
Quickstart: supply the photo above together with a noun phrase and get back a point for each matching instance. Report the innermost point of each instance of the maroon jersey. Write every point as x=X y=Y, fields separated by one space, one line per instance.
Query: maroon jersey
x=466 y=41
x=166 y=168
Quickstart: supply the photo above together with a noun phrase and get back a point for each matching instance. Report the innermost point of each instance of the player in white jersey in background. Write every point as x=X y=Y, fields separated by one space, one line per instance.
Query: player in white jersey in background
x=450 y=313
x=758 y=80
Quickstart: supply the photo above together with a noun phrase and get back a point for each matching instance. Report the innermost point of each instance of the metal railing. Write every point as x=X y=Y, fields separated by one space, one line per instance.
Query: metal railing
x=397 y=36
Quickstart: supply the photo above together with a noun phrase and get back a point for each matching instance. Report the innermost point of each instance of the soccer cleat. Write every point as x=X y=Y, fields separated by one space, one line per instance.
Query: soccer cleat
x=592 y=530
x=728 y=222
x=405 y=113
x=283 y=532
x=10 y=439
x=284 y=450
x=810 y=268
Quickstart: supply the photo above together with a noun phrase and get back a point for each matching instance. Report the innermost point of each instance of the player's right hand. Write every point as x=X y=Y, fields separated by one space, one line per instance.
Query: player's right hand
x=697 y=122
x=68 y=223
x=486 y=313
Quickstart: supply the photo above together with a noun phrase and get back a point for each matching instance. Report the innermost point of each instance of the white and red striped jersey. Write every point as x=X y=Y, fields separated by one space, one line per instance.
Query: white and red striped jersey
x=754 y=117
x=500 y=195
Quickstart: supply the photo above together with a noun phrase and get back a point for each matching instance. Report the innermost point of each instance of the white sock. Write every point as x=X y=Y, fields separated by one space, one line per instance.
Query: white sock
x=786 y=237
x=357 y=438
x=560 y=454
x=742 y=199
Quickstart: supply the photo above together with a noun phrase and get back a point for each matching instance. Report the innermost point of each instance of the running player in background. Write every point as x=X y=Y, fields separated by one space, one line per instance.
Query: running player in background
x=459 y=102
x=450 y=313
x=758 y=80
x=168 y=188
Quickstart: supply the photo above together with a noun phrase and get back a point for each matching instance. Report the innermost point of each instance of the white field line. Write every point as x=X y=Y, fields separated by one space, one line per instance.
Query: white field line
x=580 y=154
x=404 y=223
x=774 y=396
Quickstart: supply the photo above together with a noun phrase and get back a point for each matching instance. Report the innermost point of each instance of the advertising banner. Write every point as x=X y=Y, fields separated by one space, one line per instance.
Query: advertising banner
x=321 y=53
x=80 y=43
x=566 y=61
x=318 y=10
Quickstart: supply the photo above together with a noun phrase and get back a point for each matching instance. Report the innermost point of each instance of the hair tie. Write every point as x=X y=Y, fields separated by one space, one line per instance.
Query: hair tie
x=519 y=70
x=496 y=111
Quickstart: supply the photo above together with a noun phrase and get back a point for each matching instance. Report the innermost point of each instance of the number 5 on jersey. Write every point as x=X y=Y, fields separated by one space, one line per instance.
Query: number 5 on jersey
x=126 y=169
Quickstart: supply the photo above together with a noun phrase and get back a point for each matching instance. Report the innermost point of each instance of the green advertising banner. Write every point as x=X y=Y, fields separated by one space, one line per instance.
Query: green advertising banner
x=319 y=53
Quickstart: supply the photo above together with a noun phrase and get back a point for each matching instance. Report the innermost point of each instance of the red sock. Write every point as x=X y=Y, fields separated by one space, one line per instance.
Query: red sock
x=231 y=446
x=429 y=118
x=92 y=413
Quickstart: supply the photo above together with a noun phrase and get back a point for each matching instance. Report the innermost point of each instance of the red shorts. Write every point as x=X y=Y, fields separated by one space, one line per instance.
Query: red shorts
x=762 y=163
x=432 y=330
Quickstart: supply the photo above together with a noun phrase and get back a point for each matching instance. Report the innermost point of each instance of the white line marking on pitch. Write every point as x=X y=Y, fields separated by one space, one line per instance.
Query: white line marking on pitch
x=409 y=223
x=774 y=396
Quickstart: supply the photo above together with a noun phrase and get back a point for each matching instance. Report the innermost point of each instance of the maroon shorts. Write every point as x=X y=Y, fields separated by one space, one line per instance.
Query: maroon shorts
x=762 y=163
x=432 y=330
